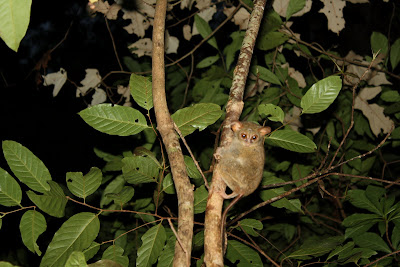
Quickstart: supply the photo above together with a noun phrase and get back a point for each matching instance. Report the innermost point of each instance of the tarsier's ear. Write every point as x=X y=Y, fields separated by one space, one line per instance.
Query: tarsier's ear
x=264 y=130
x=236 y=125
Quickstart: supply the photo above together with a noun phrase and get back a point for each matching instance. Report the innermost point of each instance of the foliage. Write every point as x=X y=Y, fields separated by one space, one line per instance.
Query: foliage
x=331 y=122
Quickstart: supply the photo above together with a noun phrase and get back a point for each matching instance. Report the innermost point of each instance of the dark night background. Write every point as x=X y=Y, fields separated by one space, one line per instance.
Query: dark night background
x=52 y=129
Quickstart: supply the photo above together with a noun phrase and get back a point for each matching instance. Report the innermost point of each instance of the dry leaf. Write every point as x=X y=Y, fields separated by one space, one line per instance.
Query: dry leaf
x=280 y=7
x=139 y=23
x=171 y=43
x=254 y=85
x=142 y=47
x=187 y=4
x=126 y=93
x=146 y=7
x=293 y=118
x=298 y=76
x=374 y=113
x=333 y=10
x=57 y=78
x=187 y=32
x=99 y=97
x=241 y=18
x=202 y=4
x=91 y=80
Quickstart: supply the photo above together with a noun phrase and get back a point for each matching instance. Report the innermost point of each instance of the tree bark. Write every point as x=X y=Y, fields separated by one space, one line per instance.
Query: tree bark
x=184 y=189
x=213 y=254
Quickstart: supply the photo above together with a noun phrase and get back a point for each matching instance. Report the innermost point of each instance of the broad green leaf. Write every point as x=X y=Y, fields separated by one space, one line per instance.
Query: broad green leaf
x=354 y=255
x=76 y=259
x=28 y=168
x=271 y=40
x=141 y=91
x=316 y=247
x=357 y=230
x=138 y=169
x=91 y=251
x=358 y=198
x=379 y=42
x=205 y=30
x=14 y=21
x=321 y=95
x=395 y=53
x=288 y=230
x=32 y=225
x=209 y=91
x=191 y=168
x=391 y=95
x=168 y=184
x=372 y=241
x=208 y=61
x=76 y=234
x=246 y=256
x=198 y=239
x=396 y=237
x=115 y=253
x=248 y=225
x=294 y=6
x=195 y=117
x=114 y=120
x=10 y=191
x=341 y=249
x=114 y=186
x=273 y=112
x=292 y=141
x=83 y=186
x=292 y=205
x=231 y=49
x=52 y=202
x=200 y=199
x=142 y=151
x=166 y=258
x=360 y=218
x=265 y=74
x=153 y=243
x=123 y=196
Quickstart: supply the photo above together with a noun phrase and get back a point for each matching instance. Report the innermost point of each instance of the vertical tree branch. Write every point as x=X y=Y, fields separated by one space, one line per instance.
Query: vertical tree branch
x=213 y=254
x=170 y=139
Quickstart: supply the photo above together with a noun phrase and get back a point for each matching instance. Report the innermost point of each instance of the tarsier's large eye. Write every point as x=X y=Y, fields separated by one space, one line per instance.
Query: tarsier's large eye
x=254 y=137
x=243 y=135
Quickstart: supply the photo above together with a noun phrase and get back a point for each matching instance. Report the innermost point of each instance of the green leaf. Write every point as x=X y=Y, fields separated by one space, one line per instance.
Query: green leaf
x=168 y=184
x=114 y=186
x=316 y=247
x=358 y=198
x=91 y=251
x=125 y=195
x=138 y=170
x=208 y=61
x=379 y=42
x=341 y=250
x=231 y=49
x=396 y=237
x=265 y=74
x=141 y=91
x=292 y=141
x=294 y=7
x=357 y=230
x=292 y=205
x=52 y=202
x=248 y=225
x=167 y=255
x=360 y=218
x=321 y=95
x=76 y=259
x=76 y=234
x=391 y=95
x=28 y=168
x=246 y=256
x=114 y=120
x=395 y=53
x=200 y=199
x=153 y=243
x=191 y=168
x=205 y=30
x=83 y=186
x=32 y=225
x=275 y=112
x=14 y=21
x=10 y=191
x=371 y=241
x=115 y=253
x=271 y=40
x=195 y=117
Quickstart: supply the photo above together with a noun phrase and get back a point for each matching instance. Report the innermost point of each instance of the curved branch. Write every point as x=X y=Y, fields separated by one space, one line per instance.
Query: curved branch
x=213 y=254
x=166 y=128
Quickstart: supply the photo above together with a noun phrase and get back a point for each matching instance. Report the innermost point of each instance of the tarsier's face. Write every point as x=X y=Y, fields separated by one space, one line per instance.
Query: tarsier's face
x=249 y=137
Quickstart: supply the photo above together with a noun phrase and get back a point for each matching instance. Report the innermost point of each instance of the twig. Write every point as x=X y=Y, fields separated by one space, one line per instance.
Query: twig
x=113 y=43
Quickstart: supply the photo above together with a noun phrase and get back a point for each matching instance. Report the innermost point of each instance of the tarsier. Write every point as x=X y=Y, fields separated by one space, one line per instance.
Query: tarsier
x=241 y=163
